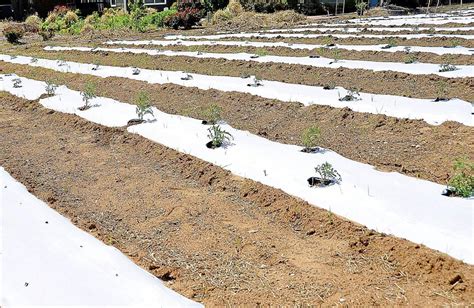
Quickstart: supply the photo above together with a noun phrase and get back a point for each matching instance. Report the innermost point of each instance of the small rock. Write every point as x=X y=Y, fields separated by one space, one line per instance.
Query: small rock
x=455 y=279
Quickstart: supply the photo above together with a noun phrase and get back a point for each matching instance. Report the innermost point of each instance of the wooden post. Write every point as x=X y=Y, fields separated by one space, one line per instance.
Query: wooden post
x=343 y=6
x=335 y=9
x=437 y=4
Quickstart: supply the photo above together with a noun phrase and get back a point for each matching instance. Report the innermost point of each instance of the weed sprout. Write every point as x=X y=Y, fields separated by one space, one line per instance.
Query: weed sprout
x=87 y=94
x=218 y=137
x=143 y=105
x=310 y=139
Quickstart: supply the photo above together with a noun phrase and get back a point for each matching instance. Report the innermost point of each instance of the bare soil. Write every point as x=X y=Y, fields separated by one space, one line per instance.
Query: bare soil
x=212 y=236
x=406 y=146
x=379 y=56
x=393 y=83
x=432 y=41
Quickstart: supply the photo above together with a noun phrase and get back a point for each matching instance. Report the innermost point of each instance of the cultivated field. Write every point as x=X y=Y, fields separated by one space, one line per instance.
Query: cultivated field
x=304 y=165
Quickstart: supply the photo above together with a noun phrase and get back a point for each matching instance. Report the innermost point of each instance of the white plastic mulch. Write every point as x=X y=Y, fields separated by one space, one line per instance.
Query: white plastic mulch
x=47 y=261
x=454 y=50
x=347 y=29
x=315 y=35
x=388 y=202
x=397 y=106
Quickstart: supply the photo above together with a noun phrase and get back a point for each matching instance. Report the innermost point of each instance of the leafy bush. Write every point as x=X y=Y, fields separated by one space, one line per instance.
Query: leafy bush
x=13 y=33
x=88 y=93
x=218 y=136
x=143 y=105
x=462 y=181
x=212 y=114
x=328 y=173
x=185 y=18
x=33 y=23
x=221 y=16
x=310 y=138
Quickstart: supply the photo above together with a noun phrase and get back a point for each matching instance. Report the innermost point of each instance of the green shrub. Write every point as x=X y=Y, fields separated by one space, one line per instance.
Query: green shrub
x=310 y=138
x=462 y=181
x=13 y=33
x=33 y=23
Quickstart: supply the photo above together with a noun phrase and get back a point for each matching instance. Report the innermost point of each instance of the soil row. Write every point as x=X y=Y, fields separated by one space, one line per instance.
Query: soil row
x=211 y=236
x=406 y=146
x=376 y=56
x=432 y=41
x=392 y=83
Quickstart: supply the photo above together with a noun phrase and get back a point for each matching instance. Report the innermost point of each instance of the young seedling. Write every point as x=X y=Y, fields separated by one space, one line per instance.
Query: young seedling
x=352 y=95
x=407 y=49
x=34 y=60
x=61 y=62
x=391 y=43
x=261 y=52
x=17 y=83
x=143 y=105
x=87 y=95
x=330 y=86
x=96 y=66
x=461 y=183
x=336 y=55
x=211 y=115
x=135 y=71
x=310 y=139
x=411 y=58
x=187 y=77
x=442 y=91
x=327 y=176
x=218 y=137
x=257 y=82
x=446 y=67
x=50 y=88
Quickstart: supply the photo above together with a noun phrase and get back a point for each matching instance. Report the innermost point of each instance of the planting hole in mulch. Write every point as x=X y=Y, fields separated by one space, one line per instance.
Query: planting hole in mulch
x=328 y=87
x=441 y=99
x=449 y=192
x=210 y=145
x=310 y=150
x=314 y=56
x=315 y=181
x=135 y=122
x=83 y=108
